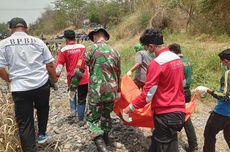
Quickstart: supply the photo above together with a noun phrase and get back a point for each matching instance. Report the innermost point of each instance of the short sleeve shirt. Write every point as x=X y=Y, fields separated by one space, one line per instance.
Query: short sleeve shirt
x=144 y=59
x=26 y=58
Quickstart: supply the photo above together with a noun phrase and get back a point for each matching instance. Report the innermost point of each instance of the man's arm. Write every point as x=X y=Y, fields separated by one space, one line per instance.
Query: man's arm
x=149 y=89
x=119 y=73
x=136 y=66
x=60 y=63
x=4 y=75
x=138 y=61
x=224 y=96
x=78 y=72
x=51 y=70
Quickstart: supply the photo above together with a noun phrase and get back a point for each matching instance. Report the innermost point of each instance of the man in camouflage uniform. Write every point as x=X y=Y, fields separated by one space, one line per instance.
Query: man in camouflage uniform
x=104 y=86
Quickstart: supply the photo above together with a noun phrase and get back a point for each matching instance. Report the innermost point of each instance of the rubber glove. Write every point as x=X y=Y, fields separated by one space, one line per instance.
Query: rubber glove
x=126 y=117
x=129 y=73
x=201 y=89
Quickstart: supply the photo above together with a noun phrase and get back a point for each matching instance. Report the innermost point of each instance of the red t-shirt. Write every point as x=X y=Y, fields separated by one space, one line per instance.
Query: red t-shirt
x=69 y=56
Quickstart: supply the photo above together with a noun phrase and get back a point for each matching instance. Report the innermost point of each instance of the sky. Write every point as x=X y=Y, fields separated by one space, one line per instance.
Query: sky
x=29 y=10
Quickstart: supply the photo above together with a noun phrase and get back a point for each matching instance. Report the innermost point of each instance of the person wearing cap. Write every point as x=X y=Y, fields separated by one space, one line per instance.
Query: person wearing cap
x=29 y=63
x=69 y=56
x=142 y=59
x=104 y=86
x=188 y=126
x=219 y=119
x=164 y=88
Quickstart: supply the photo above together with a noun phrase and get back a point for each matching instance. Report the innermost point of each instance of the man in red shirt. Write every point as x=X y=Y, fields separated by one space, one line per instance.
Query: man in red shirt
x=69 y=56
x=164 y=88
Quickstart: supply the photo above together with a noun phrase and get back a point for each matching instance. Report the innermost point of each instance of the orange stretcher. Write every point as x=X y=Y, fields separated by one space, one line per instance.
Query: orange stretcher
x=141 y=117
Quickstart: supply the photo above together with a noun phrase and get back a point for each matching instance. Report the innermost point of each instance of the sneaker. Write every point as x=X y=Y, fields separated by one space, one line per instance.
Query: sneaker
x=42 y=138
x=72 y=115
x=81 y=123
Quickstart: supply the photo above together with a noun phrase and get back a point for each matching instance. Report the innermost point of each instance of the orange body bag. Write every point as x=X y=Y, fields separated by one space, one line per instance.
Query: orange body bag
x=142 y=117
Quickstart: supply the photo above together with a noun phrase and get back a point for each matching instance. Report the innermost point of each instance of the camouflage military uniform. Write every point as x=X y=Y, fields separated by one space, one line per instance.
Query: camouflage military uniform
x=104 y=69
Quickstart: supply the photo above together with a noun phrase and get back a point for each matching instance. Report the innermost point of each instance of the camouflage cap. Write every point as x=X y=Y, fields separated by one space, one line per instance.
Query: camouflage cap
x=95 y=31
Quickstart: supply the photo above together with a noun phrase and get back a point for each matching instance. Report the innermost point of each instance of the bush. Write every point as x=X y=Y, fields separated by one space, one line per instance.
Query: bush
x=144 y=19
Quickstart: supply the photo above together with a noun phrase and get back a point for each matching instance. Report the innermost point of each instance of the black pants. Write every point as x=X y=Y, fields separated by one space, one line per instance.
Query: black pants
x=188 y=126
x=82 y=91
x=25 y=101
x=164 y=137
x=216 y=123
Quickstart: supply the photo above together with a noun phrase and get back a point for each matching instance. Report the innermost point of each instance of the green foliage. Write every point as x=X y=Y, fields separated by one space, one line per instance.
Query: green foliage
x=3 y=29
x=202 y=53
x=144 y=19
x=59 y=19
x=216 y=15
x=49 y=22
x=74 y=10
x=106 y=12
x=127 y=59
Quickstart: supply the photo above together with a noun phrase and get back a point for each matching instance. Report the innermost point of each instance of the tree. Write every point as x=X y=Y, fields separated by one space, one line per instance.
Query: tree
x=3 y=30
x=217 y=14
x=106 y=12
x=189 y=7
x=74 y=10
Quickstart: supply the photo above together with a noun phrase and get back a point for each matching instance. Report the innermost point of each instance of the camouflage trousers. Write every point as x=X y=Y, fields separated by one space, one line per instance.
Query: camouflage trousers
x=98 y=117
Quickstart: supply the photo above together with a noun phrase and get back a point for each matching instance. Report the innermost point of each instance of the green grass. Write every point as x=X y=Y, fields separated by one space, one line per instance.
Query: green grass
x=127 y=59
x=202 y=50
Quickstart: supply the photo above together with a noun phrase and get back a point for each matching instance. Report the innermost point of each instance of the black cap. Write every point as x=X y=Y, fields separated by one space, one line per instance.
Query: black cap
x=92 y=33
x=17 y=22
x=225 y=54
x=69 y=34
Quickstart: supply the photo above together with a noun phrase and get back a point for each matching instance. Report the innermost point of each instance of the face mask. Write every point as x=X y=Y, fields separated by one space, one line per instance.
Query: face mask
x=151 y=55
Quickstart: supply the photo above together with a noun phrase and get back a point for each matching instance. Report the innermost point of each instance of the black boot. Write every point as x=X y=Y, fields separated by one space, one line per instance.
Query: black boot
x=191 y=149
x=106 y=138
x=100 y=144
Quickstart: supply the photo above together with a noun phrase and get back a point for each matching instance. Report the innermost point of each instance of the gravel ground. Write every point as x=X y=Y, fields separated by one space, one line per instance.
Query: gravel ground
x=65 y=135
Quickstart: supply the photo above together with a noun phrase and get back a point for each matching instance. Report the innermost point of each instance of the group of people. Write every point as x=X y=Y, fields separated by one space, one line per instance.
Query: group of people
x=54 y=47
x=142 y=60
x=93 y=73
x=28 y=65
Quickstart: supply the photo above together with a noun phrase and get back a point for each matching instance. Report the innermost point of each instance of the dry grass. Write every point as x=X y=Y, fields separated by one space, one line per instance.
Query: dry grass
x=9 y=141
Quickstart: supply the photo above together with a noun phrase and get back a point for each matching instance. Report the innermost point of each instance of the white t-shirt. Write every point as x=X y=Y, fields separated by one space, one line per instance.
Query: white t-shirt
x=25 y=57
